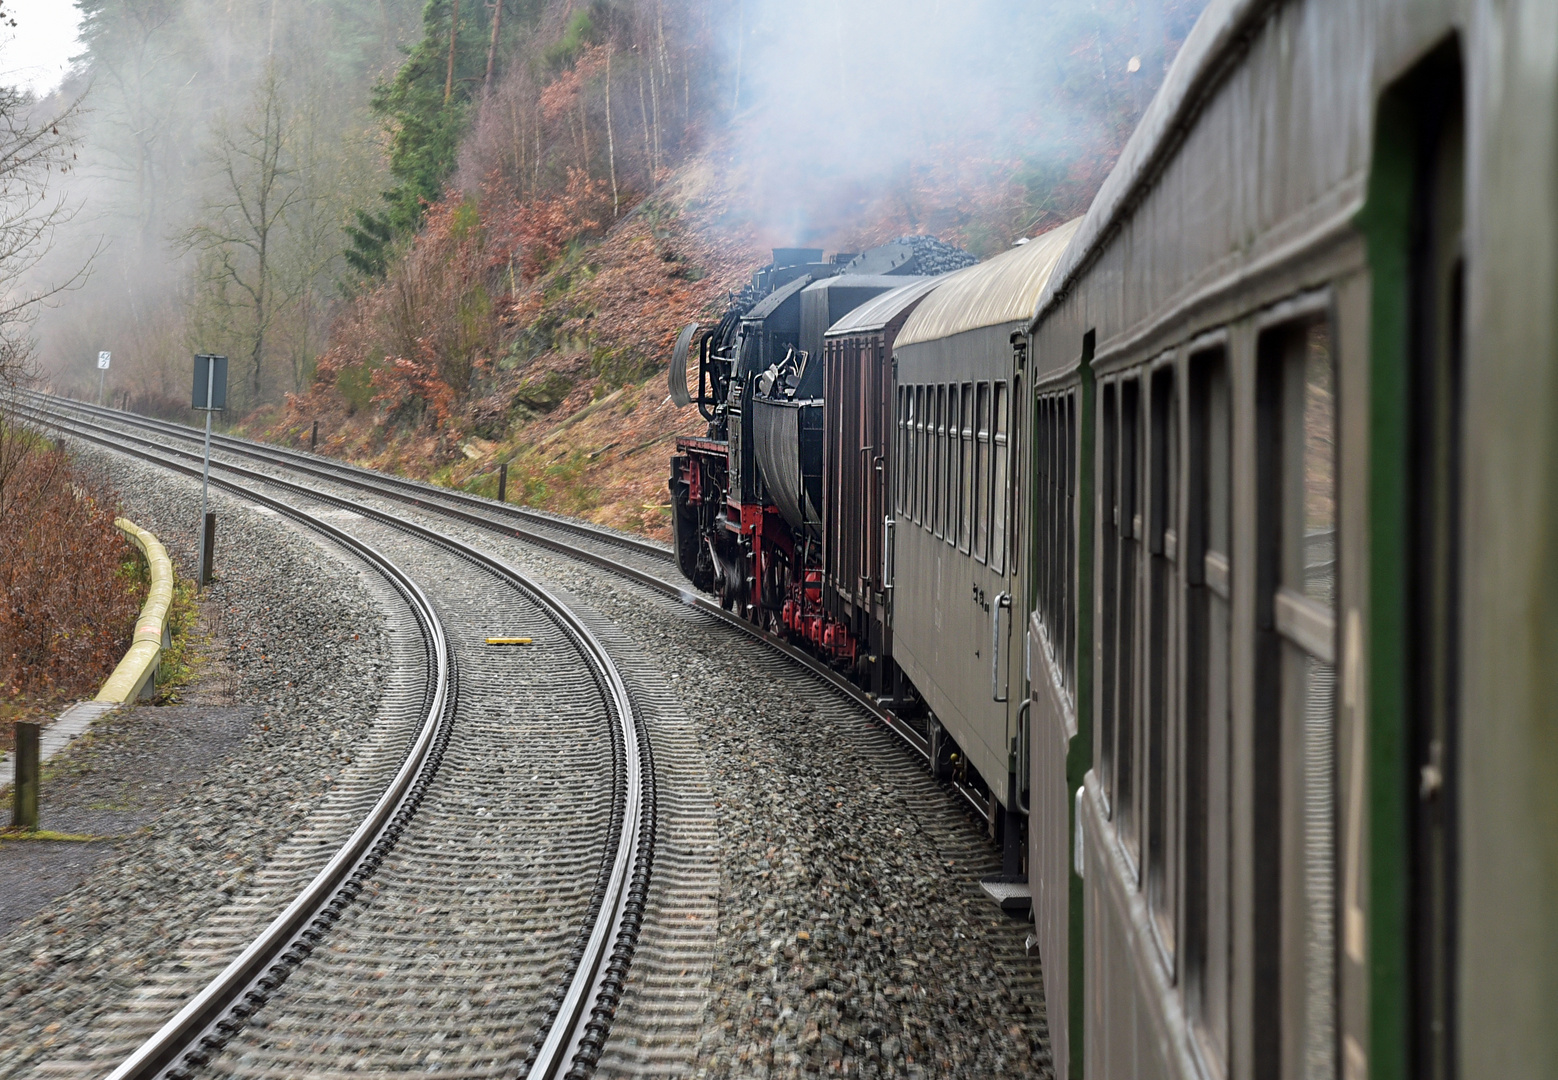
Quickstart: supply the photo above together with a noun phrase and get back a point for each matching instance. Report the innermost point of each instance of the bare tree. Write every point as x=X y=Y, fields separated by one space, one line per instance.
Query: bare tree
x=244 y=219
x=33 y=151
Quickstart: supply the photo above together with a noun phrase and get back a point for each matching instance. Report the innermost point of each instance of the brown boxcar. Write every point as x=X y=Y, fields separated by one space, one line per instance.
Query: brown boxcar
x=857 y=467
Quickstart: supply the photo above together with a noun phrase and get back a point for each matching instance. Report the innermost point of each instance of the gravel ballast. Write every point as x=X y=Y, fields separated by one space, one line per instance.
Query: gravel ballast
x=301 y=630
x=850 y=936
x=853 y=938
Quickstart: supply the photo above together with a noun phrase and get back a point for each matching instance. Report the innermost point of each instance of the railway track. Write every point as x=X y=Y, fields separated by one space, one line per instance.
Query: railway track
x=538 y=525
x=419 y=848
x=639 y=560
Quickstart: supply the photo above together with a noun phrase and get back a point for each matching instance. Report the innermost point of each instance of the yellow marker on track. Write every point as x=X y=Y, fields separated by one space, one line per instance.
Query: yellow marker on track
x=508 y=641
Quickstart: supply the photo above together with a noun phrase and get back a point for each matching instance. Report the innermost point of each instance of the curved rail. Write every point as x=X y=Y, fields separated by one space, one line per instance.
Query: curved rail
x=474 y=510
x=575 y=1034
x=220 y=1009
x=399 y=487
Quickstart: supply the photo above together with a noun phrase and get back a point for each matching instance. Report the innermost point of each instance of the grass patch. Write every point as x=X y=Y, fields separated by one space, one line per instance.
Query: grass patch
x=12 y=834
x=181 y=661
x=559 y=485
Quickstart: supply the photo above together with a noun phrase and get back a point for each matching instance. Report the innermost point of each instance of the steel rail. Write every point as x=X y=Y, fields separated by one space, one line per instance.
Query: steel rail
x=220 y=1008
x=576 y=1032
x=396 y=488
x=333 y=469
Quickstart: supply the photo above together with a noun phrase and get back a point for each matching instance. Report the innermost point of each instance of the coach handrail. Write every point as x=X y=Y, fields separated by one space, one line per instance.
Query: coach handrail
x=1002 y=600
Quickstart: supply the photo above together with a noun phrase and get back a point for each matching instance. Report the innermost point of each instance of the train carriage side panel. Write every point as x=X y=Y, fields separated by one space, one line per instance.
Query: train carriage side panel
x=959 y=610
x=1508 y=829
x=1058 y=572
x=1250 y=891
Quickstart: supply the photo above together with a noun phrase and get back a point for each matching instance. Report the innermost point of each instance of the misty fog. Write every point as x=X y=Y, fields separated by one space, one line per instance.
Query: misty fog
x=189 y=117
x=221 y=149
x=919 y=102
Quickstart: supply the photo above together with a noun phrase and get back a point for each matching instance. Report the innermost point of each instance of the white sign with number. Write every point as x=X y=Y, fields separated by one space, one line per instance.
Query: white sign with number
x=102 y=360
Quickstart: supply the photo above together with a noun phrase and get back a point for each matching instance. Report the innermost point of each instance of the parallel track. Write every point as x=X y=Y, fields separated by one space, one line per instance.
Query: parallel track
x=581 y=1011
x=649 y=565
x=396 y=487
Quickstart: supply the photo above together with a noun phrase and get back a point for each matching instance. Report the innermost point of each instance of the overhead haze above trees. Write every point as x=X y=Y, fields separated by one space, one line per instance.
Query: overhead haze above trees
x=426 y=107
x=427 y=161
x=166 y=86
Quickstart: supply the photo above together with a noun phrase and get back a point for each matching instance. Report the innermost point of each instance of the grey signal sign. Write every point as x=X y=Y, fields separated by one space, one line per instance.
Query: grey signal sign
x=210 y=391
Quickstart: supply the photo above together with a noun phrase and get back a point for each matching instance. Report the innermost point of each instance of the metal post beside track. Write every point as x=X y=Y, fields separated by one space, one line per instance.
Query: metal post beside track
x=210 y=394
x=24 y=794
x=207 y=547
x=503 y=482
x=205 y=500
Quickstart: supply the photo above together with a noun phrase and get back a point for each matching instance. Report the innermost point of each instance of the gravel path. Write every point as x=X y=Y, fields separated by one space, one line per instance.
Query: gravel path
x=303 y=633
x=138 y=763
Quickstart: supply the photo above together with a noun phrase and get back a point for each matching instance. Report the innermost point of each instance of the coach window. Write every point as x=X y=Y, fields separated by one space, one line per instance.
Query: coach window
x=927 y=432
x=981 y=470
x=917 y=439
x=935 y=432
x=909 y=452
x=1160 y=735
x=1108 y=581
x=928 y=463
x=965 y=465
x=949 y=452
x=1207 y=917
x=1054 y=521
x=998 y=492
x=906 y=461
x=940 y=465
x=905 y=398
x=949 y=484
x=927 y=451
x=927 y=507
x=1069 y=442
x=1127 y=518
x=1294 y=754
x=1042 y=511
x=917 y=482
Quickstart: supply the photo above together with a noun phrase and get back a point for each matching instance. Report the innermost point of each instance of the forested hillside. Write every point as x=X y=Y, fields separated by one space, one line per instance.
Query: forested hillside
x=464 y=232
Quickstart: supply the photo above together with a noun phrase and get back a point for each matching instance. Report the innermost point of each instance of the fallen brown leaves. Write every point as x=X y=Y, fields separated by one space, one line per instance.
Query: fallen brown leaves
x=567 y=378
x=66 y=611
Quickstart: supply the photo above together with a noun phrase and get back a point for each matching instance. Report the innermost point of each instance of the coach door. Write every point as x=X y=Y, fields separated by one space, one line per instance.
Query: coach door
x=1414 y=222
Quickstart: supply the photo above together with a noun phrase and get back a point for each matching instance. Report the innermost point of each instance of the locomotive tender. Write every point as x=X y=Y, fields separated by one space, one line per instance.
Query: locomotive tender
x=1247 y=513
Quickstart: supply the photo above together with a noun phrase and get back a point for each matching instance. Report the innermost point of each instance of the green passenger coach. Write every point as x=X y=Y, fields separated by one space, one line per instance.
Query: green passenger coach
x=1292 y=392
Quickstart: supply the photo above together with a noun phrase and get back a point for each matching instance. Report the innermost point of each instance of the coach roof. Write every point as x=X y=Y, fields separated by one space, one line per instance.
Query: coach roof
x=1002 y=290
x=881 y=310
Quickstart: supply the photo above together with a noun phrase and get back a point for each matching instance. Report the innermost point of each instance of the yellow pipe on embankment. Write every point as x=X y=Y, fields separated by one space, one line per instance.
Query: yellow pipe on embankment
x=137 y=672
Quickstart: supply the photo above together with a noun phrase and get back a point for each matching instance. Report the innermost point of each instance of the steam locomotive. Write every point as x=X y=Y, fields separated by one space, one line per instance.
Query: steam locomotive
x=748 y=501
x=1214 y=533
x=853 y=491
